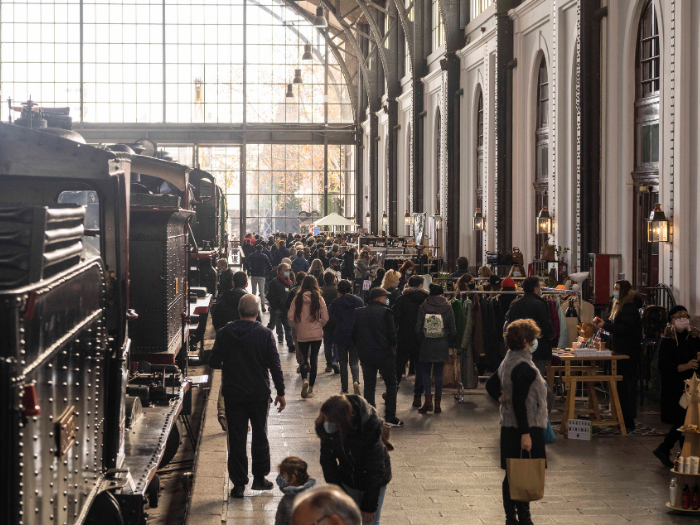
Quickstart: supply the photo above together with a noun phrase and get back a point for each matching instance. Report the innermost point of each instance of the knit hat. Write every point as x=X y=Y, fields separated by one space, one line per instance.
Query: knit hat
x=508 y=284
x=494 y=280
x=334 y=260
x=678 y=308
x=378 y=292
x=436 y=289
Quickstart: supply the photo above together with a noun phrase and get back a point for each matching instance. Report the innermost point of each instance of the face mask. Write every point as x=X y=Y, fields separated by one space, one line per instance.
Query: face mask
x=386 y=302
x=516 y=274
x=409 y=272
x=616 y=294
x=330 y=428
x=533 y=348
x=286 y=274
x=681 y=324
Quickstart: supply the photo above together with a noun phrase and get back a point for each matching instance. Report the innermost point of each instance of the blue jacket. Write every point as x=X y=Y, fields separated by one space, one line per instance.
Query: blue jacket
x=258 y=264
x=342 y=311
x=268 y=253
x=300 y=264
x=280 y=254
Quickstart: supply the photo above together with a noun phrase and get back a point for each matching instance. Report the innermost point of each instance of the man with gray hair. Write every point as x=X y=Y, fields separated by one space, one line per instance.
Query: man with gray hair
x=247 y=352
x=326 y=505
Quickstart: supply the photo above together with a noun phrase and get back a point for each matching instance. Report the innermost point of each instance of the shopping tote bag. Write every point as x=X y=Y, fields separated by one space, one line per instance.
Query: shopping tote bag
x=526 y=478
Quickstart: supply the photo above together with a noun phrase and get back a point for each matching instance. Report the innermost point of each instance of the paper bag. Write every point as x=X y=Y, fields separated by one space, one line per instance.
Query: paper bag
x=526 y=478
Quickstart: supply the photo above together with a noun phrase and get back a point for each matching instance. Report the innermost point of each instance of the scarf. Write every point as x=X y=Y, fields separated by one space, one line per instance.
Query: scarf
x=285 y=280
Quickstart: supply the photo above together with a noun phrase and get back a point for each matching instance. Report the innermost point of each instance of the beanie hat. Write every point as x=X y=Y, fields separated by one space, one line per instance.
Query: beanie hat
x=678 y=308
x=508 y=284
x=495 y=279
x=436 y=289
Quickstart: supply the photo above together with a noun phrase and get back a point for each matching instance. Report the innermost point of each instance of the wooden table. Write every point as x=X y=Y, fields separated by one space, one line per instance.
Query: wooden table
x=589 y=376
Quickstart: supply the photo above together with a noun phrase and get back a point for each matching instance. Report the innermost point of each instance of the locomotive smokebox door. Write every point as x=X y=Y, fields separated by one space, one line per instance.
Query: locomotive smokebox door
x=65 y=432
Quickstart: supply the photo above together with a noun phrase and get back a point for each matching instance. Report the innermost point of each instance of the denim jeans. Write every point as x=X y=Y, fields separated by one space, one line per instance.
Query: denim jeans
x=348 y=353
x=438 y=370
x=356 y=495
x=279 y=320
x=258 y=282
x=330 y=349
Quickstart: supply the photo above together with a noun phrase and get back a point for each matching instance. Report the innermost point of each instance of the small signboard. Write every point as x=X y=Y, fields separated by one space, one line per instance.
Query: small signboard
x=366 y=285
x=580 y=429
x=317 y=230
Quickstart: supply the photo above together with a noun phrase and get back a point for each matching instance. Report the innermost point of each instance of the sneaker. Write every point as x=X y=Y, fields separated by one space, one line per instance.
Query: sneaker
x=261 y=484
x=330 y=369
x=263 y=309
x=280 y=341
x=310 y=392
x=223 y=423
x=394 y=422
x=344 y=392
x=336 y=368
x=356 y=388
x=238 y=491
x=298 y=369
x=305 y=389
x=291 y=348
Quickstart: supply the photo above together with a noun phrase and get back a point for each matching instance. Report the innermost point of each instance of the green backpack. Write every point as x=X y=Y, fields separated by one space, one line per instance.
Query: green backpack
x=433 y=327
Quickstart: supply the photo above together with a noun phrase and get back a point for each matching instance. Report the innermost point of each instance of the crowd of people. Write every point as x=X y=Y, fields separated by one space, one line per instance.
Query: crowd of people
x=320 y=292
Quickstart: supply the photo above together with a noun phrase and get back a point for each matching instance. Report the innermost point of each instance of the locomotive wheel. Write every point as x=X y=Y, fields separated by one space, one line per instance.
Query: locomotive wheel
x=171 y=446
x=153 y=490
x=104 y=511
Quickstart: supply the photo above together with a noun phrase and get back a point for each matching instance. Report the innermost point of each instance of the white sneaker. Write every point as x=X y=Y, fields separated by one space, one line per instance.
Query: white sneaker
x=356 y=388
x=305 y=389
x=311 y=392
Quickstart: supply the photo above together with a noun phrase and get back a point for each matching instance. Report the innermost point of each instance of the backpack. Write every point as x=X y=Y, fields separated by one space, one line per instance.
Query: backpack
x=433 y=327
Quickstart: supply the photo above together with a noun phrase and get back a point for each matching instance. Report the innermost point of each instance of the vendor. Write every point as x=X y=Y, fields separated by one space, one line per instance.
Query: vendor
x=679 y=354
x=625 y=326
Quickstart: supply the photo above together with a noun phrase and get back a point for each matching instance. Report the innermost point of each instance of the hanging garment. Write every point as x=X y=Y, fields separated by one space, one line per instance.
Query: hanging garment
x=460 y=320
x=470 y=377
x=563 y=331
x=554 y=314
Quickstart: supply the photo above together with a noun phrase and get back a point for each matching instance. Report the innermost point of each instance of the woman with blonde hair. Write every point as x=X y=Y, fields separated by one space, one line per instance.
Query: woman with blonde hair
x=485 y=271
x=391 y=284
x=316 y=270
x=516 y=271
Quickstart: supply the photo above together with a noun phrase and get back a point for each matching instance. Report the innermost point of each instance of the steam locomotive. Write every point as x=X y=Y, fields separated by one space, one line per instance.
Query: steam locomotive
x=98 y=248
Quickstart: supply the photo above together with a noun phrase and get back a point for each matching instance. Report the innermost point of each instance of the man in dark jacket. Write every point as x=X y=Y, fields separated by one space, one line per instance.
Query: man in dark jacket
x=532 y=306
x=462 y=268
x=330 y=294
x=247 y=353
x=374 y=335
x=277 y=294
x=225 y=309
x=280 y=254
x=342 y=314
x=300 y=264
x=347 y=267
x=225 y=276
x=266 y=251
x=406 y=316
x=259 y=266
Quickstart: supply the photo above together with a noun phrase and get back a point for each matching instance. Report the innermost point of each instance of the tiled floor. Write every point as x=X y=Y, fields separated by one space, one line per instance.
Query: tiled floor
x=445 y=467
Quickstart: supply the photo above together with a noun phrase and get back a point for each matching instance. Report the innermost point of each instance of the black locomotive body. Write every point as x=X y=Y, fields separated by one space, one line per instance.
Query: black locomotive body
x=84 y=424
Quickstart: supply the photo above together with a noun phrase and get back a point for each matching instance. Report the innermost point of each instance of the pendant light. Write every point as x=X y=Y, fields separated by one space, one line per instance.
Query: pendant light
x=385 y=222
x=290 y=93
x=657 y=225
x=320 y=20
x=478 y=221
x=544 y=222
x=307 y=53
x=438 y=220
x=408 y=219
x=297 y=77
x=368 y=221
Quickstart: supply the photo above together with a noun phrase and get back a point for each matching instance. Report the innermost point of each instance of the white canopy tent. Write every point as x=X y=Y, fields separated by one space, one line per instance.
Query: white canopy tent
x=335 y=220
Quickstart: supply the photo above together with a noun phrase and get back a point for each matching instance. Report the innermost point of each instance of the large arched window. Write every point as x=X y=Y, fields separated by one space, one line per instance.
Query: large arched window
x=541 y=147
x=646 y=144
x=478 y=236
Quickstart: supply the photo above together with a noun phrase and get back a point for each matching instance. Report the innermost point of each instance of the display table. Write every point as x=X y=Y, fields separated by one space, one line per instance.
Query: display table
x=590 y=377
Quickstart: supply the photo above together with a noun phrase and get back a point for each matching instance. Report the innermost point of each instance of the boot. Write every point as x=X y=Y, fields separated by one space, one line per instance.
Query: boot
x=416 y=401
x=663 y=454
x=428 y=405
x=509 y=506
x=524 y=517
x=438 y=399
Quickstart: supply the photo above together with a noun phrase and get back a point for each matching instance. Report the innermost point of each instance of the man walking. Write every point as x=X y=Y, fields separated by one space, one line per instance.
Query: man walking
x=532 y=306
x=374 y=335
x=246 y=351
x=259 y=266
x=277 y=294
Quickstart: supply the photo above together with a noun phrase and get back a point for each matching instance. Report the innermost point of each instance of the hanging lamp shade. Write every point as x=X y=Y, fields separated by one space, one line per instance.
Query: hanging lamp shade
x=544 y=222
x=657 y=225
x=438 y=219
x=320 y=20
x=408 y=219
x=297 y=77
x=478 y=221
x=385 y=221
x=290 y=93
x=307 y=53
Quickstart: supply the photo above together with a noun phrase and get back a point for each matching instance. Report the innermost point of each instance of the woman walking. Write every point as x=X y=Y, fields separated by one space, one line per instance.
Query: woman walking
x=390 y=283
x=353 y=454
x=679 y=354
x=408 y=268
x=436 y=326
x=308 y=314
x=522 y=392
x=316 y=270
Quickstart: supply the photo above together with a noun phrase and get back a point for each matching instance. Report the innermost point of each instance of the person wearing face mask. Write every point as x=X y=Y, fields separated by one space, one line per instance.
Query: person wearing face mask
x=374 y=335
x=293 y=479
x=522 y=394
x=532 y=306
x=437 y=330
x=625 y=326
x=679 y=354
x=354 y=454
x=408 y=269
x=277 y=293
x=516 y=271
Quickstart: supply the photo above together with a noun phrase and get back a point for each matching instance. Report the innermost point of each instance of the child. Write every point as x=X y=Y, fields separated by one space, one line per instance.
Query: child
x=292 y=480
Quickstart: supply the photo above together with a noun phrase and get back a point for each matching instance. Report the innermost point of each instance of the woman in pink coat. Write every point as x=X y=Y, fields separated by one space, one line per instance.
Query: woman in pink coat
x=308 y=314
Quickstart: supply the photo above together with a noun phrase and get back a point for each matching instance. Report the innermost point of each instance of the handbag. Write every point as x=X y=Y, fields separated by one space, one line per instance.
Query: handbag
x=526 y=478
x=517 y=256
x=549 y=437
x=548 y=253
